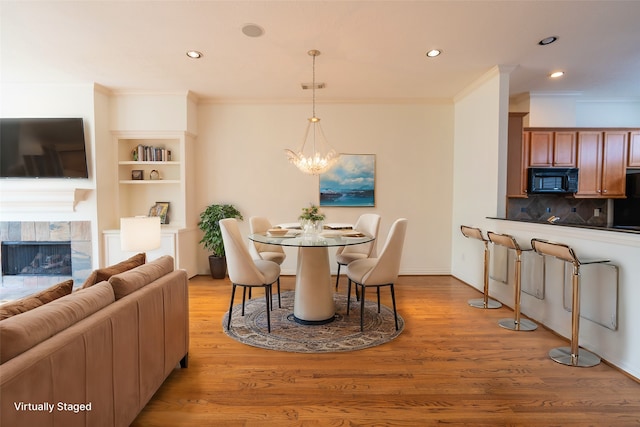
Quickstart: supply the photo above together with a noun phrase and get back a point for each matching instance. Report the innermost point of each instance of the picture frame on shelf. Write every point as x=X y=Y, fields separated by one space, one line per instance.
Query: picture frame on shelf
x=137 y=175
x=160 y=209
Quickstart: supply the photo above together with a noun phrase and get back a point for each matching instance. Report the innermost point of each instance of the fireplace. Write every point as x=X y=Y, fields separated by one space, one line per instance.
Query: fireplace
x=38 y=254
x=36 y=258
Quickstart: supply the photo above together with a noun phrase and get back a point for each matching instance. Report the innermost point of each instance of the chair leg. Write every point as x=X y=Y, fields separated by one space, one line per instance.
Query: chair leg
x=338 y=276
x=267 y=294
x=393 y=300
x=349 y=295
x=244 y=294
x=361 y=308
x=279 y=300
x=233 y=293
x=378 y=289
x=249 y=293
x=271 y=298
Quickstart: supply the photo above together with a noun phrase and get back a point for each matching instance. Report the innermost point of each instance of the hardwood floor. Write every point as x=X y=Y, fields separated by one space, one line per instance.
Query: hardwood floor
x=452 y=365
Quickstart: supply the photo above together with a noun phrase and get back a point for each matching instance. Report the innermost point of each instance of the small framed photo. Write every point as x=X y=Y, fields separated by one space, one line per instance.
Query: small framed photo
x=160 y=209
x=137 y=174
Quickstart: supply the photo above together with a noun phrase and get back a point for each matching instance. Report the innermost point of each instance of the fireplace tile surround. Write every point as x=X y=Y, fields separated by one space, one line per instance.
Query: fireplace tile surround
x=78 y=233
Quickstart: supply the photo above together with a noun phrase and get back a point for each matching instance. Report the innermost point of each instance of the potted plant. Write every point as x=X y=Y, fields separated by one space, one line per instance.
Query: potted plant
x=311 y=220
x=212 y=238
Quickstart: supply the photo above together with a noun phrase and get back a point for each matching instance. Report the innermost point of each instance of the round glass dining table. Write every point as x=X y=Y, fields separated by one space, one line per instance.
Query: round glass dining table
x=313 y=302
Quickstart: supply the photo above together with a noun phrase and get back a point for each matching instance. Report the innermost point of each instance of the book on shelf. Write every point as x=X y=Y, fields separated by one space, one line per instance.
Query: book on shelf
x=147 y=153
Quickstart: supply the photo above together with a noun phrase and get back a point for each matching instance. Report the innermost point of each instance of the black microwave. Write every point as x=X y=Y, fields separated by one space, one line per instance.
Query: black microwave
x=553 y=180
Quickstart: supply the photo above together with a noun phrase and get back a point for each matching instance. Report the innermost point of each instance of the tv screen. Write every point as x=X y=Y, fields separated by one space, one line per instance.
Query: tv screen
x=42 y=148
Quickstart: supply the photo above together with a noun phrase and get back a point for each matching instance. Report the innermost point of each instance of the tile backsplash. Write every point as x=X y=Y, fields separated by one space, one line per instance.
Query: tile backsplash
x=570 y=210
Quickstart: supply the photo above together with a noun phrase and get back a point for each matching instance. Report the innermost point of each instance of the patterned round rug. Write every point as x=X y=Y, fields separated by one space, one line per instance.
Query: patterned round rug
x=343 y=334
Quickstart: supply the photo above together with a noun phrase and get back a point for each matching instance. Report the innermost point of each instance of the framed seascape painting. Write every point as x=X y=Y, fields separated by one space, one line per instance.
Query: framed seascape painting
x=350 y=182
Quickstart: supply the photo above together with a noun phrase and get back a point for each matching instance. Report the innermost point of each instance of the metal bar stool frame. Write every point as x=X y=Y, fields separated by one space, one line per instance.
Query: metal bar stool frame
x=573 y=355
x=485 y=302
x=517 y=323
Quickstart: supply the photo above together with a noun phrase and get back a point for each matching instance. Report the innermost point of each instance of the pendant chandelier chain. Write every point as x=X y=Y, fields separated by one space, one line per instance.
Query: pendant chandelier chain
x=313 y=86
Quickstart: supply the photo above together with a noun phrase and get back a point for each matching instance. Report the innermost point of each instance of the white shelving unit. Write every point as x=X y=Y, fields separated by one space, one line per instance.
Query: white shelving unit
x=137 y=196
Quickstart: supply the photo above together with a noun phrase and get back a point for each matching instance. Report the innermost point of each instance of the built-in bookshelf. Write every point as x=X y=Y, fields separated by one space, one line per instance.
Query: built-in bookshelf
x=152 y=167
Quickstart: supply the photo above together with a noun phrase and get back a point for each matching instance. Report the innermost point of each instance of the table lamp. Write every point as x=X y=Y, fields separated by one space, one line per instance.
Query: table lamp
x=139 y=233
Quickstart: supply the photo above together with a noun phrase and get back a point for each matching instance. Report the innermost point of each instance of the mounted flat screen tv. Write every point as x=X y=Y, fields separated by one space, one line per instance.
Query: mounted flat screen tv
x=42 y=148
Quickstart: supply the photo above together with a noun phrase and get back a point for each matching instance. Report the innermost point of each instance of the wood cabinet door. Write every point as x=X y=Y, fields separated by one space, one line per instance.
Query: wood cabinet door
x=589 y=164
x=516 y=157
x=564 y=149
x=634 y=150
x=540 y=148
x=614 y=166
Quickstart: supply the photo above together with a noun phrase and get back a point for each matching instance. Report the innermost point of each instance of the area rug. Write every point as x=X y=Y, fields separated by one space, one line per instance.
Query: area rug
x=343 y=334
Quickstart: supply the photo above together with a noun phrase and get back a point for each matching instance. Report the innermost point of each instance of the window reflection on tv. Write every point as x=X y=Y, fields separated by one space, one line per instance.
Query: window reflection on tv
x=42 y=148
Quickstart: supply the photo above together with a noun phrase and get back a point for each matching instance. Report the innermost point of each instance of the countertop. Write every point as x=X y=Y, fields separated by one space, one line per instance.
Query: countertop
x=635 y=230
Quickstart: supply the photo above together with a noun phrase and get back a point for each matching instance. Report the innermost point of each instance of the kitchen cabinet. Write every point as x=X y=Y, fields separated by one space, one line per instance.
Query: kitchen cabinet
x=517 y=156
x=634 y=149
x=602 y=164
x=552 y=148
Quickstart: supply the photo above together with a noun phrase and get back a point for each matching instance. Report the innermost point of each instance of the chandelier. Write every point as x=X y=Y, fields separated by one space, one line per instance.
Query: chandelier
x=320 y=156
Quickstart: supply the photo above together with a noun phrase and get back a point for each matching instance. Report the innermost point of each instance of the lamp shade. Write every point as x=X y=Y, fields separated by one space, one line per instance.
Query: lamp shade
x=140 y=233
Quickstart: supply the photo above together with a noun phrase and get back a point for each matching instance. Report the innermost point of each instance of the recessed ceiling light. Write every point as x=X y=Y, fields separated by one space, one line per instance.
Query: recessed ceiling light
x=547 y=40
x=252 y=30
x=556 y=74
x=433 y=53
x=194 y=54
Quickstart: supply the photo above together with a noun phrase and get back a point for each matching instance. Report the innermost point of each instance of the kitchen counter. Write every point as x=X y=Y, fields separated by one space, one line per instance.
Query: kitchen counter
x=617 y=229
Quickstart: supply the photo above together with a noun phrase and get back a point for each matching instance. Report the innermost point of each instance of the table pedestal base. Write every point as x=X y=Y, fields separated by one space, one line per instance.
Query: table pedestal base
x=313 y=304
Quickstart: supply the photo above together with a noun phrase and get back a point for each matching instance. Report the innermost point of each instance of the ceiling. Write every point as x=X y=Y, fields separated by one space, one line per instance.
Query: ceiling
x=371 y=50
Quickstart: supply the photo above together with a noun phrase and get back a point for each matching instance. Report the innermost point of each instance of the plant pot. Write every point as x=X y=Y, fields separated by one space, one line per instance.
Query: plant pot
x=218 y=266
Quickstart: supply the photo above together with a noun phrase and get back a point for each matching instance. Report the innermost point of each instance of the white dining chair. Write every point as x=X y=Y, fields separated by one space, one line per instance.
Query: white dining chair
x=245 y=271
x=275 y=253
x=380 y=271
x=369 y=224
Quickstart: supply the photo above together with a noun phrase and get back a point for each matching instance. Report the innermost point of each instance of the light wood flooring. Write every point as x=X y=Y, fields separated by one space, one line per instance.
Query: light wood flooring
x=451 y=365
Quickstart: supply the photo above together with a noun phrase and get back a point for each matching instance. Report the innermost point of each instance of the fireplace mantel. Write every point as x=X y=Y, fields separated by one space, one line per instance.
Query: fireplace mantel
x=34 y=200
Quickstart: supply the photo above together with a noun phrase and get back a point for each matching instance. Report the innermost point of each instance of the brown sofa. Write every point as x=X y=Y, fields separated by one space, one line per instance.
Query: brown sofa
x=96 y=356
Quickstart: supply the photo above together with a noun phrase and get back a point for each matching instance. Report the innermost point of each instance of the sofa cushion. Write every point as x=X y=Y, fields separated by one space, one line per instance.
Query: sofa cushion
x=101 y=274
x=36 y=300
x=20 y=333
x=132 y=280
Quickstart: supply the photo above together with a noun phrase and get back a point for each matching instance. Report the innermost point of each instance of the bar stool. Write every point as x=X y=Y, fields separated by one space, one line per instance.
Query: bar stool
x=574 y=355
x=515 y=324
x=475 y=233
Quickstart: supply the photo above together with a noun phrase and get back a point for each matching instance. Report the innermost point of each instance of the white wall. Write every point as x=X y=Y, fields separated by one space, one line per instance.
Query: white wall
x=476 y=172
x=150 y=111
x=573 y=110
x=608 y=113
x=552 y=110
x=241 y=161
